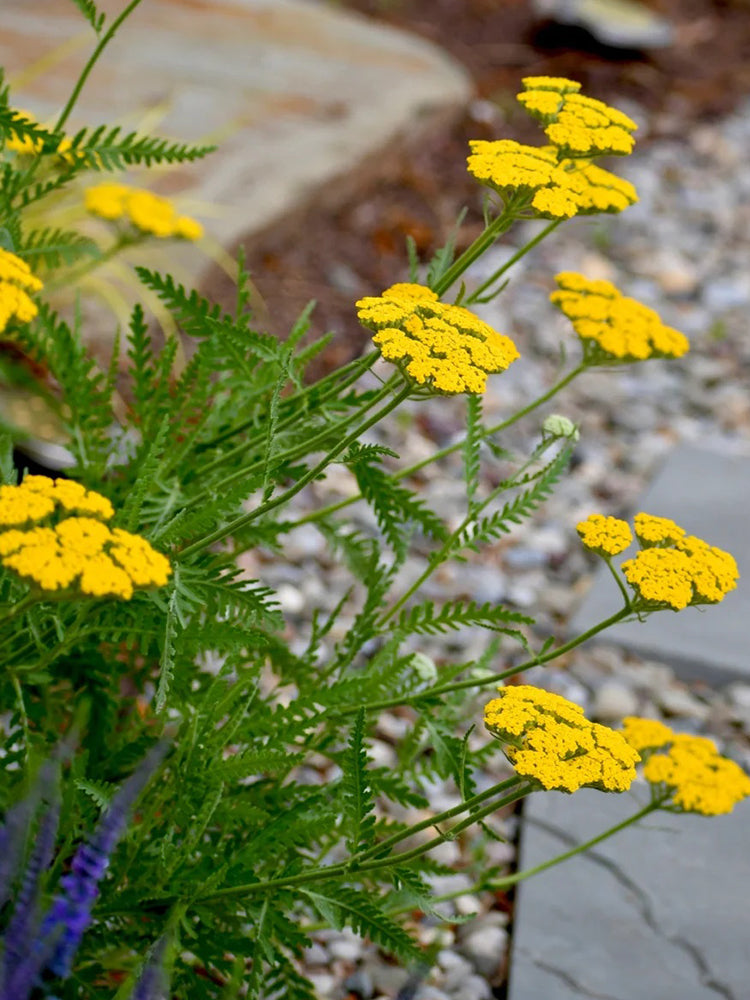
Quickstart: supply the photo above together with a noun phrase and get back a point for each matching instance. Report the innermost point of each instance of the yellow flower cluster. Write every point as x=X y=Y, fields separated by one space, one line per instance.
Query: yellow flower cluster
x=54 y=537
x=557 y=189
x=614 y=328
x=576 y=124
x=672 y=569
x=549 y=740
x=689 y=769
x=147 y=211
x=608 y=536
x=443 y=347
x=16 y=281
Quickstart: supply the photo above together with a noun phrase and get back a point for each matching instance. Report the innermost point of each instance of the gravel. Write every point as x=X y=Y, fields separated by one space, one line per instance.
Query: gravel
x=682 y=250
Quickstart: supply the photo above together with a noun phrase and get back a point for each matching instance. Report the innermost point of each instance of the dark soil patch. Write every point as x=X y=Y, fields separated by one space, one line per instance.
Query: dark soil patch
x=336 y=255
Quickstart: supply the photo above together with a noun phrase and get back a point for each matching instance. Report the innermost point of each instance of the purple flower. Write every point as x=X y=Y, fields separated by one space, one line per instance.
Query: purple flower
x=152 y=982
x=70 y=913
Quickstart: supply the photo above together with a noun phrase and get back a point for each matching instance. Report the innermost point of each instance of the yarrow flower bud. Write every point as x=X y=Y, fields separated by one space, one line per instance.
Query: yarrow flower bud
x=558 y=426
x=613 y=328
x=444 y=348
x=688 y=770
x=16 y=281
x=77 y=553
x=548 y=740
x=147 y=211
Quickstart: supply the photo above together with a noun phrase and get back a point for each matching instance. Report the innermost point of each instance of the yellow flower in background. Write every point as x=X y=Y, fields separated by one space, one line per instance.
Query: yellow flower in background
x=577 y=125
x=443 y=347
x=689 y=769
x=549 y=740
x=614 y=328
x=16 y=281
x=608 y=536
x=148 y=212
x=675 y=569
x=56 y=539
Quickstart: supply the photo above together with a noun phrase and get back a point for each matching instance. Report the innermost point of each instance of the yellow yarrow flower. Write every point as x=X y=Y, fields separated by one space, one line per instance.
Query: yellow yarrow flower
x=613 y=328
x=442 y=347
x=548 y=740
x=148 y=212
x=16 y=281
x=55 y=539
x=675 y=569
x=577 y=125
x=555 y=188
x=688 y=769
x=653 y=530
x=608 y=536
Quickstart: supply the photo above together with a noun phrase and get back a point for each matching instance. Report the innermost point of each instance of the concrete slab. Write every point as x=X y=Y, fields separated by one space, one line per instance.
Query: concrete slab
x=659 y=912
x=296 y=92
x=709 y=495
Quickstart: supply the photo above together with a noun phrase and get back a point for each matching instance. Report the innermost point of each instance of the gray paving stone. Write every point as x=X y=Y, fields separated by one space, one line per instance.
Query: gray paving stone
x=659 y=912
x=297 y=93
x=709 y=495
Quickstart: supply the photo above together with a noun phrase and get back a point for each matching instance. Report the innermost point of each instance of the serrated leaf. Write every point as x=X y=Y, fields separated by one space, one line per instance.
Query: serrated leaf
x=358 y=797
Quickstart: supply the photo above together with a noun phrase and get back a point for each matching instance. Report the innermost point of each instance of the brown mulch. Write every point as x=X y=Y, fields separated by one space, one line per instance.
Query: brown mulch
x=357 y=248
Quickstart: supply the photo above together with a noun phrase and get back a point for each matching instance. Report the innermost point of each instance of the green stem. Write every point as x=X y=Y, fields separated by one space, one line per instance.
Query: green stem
x=19 y=608
x=350 y=373
x=22 y=713
x=433 y=820
x=476 y=295
x=70 y=279
x=105 y=40
x=485 y=240
x=510 y=880
x=480 y=682
x=323 y=512
x=302 y=449
x=282 y=498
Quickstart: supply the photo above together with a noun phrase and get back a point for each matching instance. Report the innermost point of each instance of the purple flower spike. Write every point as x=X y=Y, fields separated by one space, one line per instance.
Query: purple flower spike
x=70 y=913
x=152 y=982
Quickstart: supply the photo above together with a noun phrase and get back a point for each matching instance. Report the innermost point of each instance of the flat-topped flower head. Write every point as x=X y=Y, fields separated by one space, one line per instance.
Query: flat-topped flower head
x=549 y=740
x=16 y=282
x=37 y=497
x=675 y=570
x=441 y=347
x=688 y=770
x=148 y=212
x=607 y=536
x=652 y=530
x=53 y=536
x=514 y=170
x=577 y=125
x=597 y=190
x=613 y=328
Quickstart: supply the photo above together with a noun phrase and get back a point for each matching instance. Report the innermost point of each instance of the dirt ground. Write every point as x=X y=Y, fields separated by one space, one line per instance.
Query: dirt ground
x=359 y=248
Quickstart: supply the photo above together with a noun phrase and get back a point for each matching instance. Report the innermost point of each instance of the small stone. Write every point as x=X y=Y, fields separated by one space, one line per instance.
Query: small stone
x=325 y=984
x=348 y=948
x=613 y=701
x=678 y=701
x=360 y=984
x=485 y=947
x=316 y=954
x=290 y=598
x=739 y=694
x=467 y=905
x=472 y=988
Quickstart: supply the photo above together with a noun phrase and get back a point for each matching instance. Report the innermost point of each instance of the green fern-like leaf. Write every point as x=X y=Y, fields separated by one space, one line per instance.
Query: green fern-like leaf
x=52 y=247
x=472 y=445
x=395 y=506
x=104 y=148
x=358 y=797
x=93 y=16
x=425 y=619
x=342 y=906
